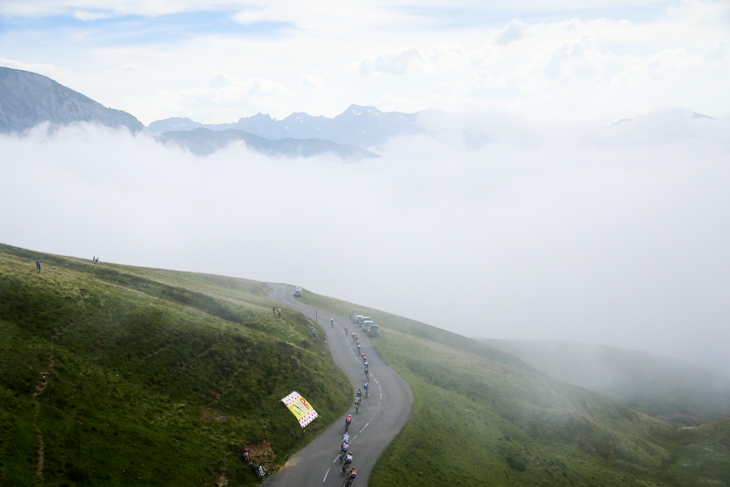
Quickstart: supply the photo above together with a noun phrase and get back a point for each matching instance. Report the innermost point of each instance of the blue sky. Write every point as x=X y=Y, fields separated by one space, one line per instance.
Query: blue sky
x=563 y=60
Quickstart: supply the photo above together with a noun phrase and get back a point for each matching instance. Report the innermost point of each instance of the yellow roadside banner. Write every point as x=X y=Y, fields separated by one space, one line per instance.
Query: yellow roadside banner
x=300 y=408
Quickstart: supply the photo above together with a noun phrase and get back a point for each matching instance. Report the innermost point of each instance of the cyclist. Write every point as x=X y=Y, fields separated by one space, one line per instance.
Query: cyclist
x=348 y=420
x=353 y=336
x=359 y=393
x=332 y=322
x=345 y=331
x=358 y=346
x=367 y=373
x=343 y=450
x=365 y=364
x=351 y=477
x=365 y=386
x=345 y=438
x=348 y=462
x=357 y=404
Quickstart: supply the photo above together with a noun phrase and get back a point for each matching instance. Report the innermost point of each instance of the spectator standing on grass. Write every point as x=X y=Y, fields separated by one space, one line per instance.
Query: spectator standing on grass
x=273 y=310
x=279 y=311
x=38 y=264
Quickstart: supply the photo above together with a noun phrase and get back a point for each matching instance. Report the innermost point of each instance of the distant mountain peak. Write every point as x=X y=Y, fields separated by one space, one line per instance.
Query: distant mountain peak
x=363 y=126
x=28 y=99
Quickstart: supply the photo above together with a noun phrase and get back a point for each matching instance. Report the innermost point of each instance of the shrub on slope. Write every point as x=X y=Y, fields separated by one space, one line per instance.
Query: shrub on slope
x=112 y=378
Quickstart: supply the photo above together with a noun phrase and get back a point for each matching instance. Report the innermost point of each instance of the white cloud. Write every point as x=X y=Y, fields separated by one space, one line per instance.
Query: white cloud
x=46 y=69
x=309 y=80
x=393 y=62
x=515 y=30
x=271 y=14
x=86 y=16
x=220 y=80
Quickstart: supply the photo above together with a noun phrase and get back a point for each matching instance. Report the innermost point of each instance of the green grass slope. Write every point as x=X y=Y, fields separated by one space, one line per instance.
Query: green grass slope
x=112 y=375
x=662 y=387
x=482 y=417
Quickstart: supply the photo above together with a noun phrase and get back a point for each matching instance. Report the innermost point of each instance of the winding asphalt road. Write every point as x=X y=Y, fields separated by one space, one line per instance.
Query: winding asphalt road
x=381 y=416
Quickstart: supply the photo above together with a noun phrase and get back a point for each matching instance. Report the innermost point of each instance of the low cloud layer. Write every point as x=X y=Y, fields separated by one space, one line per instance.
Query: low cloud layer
x=487 y=226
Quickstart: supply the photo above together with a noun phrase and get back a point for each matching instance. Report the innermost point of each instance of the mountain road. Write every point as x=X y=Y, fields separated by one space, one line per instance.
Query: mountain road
x=381 y=416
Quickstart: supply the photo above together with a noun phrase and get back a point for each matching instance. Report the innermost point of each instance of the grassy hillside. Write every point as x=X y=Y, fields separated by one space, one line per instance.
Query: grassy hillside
x=662 y=387
x=111 y=375
x=481 y=417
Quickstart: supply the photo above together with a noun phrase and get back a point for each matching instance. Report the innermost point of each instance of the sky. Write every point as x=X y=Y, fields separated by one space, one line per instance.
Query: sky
x=546 y=223
x=218 y=61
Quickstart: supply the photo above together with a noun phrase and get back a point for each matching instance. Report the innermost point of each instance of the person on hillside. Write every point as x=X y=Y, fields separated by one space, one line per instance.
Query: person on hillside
x=279 y=311
x=325 y=338
x=38 y=264
x=246 y=455
x=273 y=310
x=348 y=461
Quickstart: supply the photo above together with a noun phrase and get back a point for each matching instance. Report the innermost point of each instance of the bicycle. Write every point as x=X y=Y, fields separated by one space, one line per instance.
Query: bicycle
x=357 y=408
x=345 y=466
x=348 y=482
x=262 y=471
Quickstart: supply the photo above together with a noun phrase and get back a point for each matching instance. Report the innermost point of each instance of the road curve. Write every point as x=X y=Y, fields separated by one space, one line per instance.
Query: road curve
x=381 y=416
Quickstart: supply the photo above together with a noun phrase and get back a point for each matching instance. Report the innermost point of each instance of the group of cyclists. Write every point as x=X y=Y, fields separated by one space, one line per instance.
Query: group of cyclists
x=346 y=456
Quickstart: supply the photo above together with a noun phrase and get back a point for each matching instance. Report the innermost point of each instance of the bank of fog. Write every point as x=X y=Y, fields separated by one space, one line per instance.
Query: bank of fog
x=486 y=225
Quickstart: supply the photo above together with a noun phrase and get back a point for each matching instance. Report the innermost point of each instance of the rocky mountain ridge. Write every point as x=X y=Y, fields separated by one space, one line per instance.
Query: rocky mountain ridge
x=28 y=99
x=364 y=126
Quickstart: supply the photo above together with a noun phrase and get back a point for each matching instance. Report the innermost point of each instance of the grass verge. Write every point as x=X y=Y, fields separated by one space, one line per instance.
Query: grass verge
x=111 y=375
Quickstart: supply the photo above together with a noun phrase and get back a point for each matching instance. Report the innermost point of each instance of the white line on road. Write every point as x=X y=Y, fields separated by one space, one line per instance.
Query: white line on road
x=333 y=461
x=354 y=438
x=366 y=425
x=325 y=475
